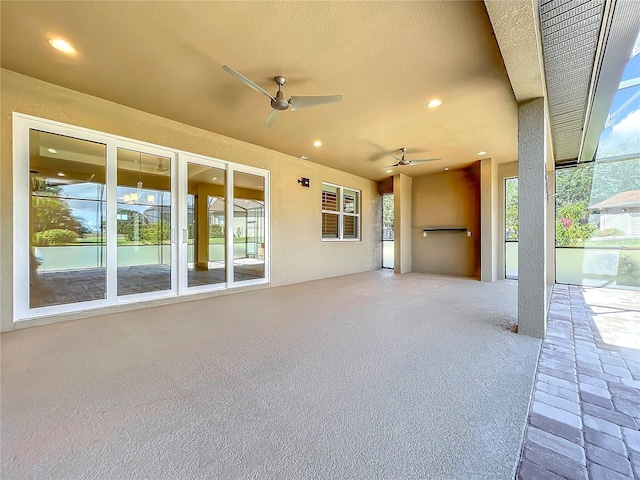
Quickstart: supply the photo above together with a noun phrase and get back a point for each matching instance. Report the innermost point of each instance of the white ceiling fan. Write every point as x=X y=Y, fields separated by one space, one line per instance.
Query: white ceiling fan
x=279 y=103
x=403 y=161
x=161 y=168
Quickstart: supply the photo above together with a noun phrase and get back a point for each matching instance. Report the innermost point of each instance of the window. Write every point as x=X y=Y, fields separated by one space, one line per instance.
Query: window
x=340 y=213
x=598 y=202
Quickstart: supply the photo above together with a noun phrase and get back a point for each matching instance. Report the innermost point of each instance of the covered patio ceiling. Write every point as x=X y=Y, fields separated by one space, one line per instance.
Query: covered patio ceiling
x=388 y=59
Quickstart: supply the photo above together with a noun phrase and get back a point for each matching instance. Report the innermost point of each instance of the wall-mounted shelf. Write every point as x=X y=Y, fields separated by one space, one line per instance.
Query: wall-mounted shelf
x=445 y=229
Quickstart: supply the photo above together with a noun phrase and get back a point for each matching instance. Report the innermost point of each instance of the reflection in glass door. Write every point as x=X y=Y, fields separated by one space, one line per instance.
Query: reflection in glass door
x=95 y=221
x=248 y=226
x=143 y=222
x=205 y=232
x=67 y=261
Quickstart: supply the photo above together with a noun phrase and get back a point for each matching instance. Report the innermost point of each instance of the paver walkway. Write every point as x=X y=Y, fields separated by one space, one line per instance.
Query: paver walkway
x=585 y=414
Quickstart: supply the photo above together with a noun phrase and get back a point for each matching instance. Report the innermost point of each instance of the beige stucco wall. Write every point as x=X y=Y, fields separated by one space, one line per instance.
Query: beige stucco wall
x=297 y=252
x=447 y=199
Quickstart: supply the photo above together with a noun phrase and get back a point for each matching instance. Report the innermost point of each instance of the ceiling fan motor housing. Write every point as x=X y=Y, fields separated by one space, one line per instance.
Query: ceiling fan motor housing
x=280 y=103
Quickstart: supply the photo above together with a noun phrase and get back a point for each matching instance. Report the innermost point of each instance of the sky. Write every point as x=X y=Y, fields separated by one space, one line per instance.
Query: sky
x=624 y=135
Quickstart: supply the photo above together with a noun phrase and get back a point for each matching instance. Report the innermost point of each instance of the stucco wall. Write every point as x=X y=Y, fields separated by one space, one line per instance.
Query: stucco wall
x=297 y=252
x=447 y=199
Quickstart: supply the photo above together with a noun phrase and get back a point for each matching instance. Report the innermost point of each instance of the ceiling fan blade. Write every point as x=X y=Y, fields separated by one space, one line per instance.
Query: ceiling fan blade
x=393 y=156
x=394 y=165
x=415 y=162
x=246 y=81
x=298 y=103
x=270 y=118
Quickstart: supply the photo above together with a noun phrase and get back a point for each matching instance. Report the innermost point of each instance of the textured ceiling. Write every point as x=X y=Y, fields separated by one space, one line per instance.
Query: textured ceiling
x=514 y=24
x=387 y=59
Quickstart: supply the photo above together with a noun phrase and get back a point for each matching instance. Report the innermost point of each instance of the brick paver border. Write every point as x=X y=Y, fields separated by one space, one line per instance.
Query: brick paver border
x=585 y=412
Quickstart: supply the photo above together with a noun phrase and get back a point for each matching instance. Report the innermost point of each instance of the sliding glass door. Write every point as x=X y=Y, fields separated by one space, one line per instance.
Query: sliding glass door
x=144 y=222
x=248 y=226
x=66 y=210
x=204 y=230
x=110 y=220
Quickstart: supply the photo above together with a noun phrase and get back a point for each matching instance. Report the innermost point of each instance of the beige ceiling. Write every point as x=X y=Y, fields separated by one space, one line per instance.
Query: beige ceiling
x=387 y=59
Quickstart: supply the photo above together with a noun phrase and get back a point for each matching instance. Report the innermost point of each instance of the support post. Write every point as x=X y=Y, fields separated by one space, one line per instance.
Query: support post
x=402 y=223
x=489 y=220
x=532 y=210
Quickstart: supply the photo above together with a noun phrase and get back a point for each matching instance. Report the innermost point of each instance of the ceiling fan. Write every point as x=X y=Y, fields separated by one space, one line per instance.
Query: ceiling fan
x=161 y=168
x=403 y=161
x=279 y=103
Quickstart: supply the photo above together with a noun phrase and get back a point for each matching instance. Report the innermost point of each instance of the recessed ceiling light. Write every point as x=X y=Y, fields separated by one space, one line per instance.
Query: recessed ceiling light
x=62 y=45
x=481 y=152
x=317 y=143
x=434 y=103
x=52 y=150
x=213 y=179
x=60 y=174
x=446 y=169
x=303 y=157
x=389 y=171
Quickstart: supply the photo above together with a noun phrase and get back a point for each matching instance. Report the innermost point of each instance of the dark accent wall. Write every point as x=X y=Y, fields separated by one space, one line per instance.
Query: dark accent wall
x=447 y=199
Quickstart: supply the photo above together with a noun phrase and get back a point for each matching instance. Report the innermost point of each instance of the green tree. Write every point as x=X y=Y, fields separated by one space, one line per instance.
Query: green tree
x=155 y=233
x=611 y=178
x=387 y=217
x=573 y=184
x=594 y=182
x=587 y=184
x=56 y=236
x=126 y=223
x=216 y=231
x=51 y=213
x=511 y=209
x=571 y=228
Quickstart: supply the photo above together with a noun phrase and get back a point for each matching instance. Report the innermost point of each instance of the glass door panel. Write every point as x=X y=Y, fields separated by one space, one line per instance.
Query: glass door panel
x=248 y=227
x=143 y=222
x=67 y=257
x=206 y=258
x=511 y=227
x=388 y=249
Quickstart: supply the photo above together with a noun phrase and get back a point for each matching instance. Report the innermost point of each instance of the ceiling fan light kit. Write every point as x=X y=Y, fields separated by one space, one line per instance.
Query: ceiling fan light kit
x=279 y=102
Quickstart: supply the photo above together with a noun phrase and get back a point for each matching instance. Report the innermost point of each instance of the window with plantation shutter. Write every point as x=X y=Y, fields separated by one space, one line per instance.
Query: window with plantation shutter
x=329 y=200
x=340 y=213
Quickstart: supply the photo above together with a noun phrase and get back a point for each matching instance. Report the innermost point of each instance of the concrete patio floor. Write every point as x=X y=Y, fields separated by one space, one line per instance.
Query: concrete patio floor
x=585 y=415
x=356 y=377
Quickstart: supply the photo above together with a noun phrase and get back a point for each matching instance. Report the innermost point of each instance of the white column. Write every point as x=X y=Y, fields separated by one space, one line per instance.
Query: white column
x=402 y=223
x=532 y=222
x=488 y=220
